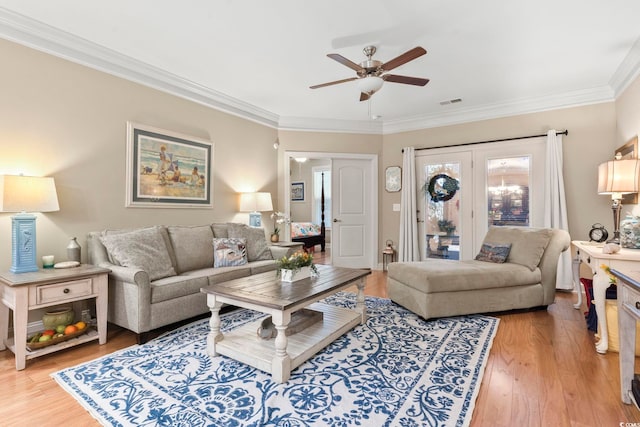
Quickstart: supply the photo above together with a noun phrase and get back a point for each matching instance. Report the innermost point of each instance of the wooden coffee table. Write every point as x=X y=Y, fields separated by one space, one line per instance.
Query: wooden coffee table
x=265 y=293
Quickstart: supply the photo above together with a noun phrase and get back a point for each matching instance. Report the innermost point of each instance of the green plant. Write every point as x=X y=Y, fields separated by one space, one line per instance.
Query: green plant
x=295 y=262
x=447 y=226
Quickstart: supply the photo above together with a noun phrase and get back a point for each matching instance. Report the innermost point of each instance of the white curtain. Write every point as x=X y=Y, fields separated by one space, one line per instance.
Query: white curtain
x=555 y=210
x=408 y=249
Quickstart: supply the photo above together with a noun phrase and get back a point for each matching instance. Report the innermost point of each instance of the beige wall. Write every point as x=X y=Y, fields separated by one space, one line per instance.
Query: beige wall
x=67 y=121
x=628 y=124
x=590 y=142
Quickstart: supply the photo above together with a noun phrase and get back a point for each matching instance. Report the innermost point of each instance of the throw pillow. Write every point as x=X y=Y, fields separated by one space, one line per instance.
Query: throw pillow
x=229 y=252
x=144 y=248
x=257 y=247
x=491 y=252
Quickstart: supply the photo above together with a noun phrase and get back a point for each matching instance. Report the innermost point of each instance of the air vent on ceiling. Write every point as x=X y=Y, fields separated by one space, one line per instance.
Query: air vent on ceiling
x=451 y=101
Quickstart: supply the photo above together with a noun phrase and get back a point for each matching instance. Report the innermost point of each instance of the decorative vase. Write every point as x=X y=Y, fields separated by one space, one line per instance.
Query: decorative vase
x=63 y=316
x=295 y=275
x=275 y=238
x=630 y=233
x=73 y=250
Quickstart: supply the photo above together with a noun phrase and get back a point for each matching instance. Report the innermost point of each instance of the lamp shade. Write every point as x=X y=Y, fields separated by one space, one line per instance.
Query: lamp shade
x=255 y=202
x=20 y=193
x=619 y=176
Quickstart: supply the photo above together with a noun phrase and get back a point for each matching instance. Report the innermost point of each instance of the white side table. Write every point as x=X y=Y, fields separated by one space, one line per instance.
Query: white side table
x=44 y=288
x=591 y=254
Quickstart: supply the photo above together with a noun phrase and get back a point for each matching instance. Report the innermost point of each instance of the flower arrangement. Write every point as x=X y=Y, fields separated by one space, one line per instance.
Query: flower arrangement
x=278 y=218
x=295 y=262
x=606 y=269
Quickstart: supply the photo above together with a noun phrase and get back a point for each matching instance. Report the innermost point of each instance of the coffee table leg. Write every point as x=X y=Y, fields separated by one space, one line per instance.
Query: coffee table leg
x=360 y=305
x=214 y=325
x=281 y=363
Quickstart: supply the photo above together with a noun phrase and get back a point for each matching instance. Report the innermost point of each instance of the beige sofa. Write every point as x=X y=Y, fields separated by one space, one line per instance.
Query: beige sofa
x=441 y=287
x=157 y=272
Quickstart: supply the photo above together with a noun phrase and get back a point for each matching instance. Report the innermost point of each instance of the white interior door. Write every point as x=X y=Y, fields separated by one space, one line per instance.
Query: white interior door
x=352 y=213
x=445 y=200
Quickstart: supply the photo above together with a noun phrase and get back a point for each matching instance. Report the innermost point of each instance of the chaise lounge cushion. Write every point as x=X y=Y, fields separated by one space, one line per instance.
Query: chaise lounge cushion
x=527 y=245
x=445 y=275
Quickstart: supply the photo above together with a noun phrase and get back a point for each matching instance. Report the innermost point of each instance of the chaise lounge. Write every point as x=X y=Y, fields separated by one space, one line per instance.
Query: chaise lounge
x=516 y=269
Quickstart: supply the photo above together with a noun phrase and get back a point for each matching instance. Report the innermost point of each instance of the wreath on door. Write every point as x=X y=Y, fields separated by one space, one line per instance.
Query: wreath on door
x=442 y=187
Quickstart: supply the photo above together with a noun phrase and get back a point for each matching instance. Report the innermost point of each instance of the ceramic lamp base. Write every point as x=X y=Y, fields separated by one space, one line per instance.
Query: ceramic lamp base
x=23 y=243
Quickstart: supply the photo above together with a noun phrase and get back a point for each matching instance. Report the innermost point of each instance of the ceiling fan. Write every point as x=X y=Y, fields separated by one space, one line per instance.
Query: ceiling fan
x=371 y=73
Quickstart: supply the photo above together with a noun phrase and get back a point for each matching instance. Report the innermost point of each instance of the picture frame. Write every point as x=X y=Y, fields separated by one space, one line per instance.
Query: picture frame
x=393 y=179
x=297 y=191
x=629 y=151
x=167 y=169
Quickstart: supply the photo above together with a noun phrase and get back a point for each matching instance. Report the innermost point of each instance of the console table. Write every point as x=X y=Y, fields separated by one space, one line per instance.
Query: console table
x=45 y=288
x=591 y=254
x=628 y=314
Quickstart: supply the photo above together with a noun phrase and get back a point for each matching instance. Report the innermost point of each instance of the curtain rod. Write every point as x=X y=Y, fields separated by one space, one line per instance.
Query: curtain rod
x=564 y=132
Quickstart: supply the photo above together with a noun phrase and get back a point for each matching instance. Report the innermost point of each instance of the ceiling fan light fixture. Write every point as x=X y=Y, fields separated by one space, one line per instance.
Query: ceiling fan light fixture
x=370 y=84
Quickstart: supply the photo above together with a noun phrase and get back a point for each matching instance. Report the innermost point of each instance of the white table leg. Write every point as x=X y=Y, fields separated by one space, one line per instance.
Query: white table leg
x=360 y=305
x=281 y=363
x=4 y=326
x=627 y=328
x=102 y=301
x=20 y=315
x=215 y=335
x=600 y=285
x=575 y=269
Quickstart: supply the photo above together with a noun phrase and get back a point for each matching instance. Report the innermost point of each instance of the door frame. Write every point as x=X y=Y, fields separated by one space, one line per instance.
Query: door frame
x=373 y=208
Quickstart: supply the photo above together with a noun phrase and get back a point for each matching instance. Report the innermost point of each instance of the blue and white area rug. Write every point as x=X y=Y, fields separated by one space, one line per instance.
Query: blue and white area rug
x=396 y=370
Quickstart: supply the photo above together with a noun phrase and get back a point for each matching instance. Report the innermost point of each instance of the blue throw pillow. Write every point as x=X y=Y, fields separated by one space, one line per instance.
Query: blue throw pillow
x=491 y=252
x=229 y=252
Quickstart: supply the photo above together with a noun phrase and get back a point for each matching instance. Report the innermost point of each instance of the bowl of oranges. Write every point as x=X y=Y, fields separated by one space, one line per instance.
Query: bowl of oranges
x=59 y=333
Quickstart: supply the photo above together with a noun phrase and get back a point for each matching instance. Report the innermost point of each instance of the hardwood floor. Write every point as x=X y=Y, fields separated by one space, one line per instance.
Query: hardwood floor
x=543 y=370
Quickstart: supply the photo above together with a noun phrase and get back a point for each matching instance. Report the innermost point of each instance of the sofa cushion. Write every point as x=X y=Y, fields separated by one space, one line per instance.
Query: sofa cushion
x=527 y=244
x=445 y=275
x=191 y=246
x=257 y=247
x=262 y=266
x=143 y=248
x=490 y=252
x=161 y=229
x=229 y=252
x=173 y=287
x=220 y=230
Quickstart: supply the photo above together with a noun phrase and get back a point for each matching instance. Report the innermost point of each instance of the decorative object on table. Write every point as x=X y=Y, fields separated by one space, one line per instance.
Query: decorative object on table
x=66 y=264
x=19 y=193
x=296 y=267
x=611 y=248
x=629 y=151
x=598 y=233
x=278 y=218
x=297 y=191
x=48 y=261
x=254 y=203
x=62 y=316
x=630 y=232
x=167 y=169
x=393 y=179
x=73 y=250
x=454 y=360
x=618 y=177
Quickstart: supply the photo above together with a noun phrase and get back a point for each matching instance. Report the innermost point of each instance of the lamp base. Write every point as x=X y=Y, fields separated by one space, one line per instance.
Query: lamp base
x=255 y=219
x=616 y=207
x=23 y=243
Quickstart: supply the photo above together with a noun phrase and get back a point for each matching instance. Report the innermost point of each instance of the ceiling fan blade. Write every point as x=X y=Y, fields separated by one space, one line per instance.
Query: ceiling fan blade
x=344 y=61
x=416 y=81
x=404 y=58
x=365 y=96
x=333 y=83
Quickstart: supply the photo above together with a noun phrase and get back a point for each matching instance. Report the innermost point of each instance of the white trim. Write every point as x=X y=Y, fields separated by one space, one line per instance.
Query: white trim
x=628 y=70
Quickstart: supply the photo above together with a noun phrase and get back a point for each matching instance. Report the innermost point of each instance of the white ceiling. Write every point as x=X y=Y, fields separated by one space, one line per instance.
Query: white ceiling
x=257 y=58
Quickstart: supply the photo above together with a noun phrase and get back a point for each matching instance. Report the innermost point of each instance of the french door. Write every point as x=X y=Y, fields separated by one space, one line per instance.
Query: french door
x=461 y=191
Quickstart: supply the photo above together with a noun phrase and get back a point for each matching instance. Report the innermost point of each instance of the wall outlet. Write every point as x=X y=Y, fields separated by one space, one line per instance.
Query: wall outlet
x=396 y=207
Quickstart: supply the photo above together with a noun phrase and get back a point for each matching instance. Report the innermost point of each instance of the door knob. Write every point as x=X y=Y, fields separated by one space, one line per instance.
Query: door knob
x=336 y=220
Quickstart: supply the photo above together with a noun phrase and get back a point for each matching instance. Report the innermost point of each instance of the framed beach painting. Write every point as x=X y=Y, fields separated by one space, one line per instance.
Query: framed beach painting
x=297 y=191
x=167 y=169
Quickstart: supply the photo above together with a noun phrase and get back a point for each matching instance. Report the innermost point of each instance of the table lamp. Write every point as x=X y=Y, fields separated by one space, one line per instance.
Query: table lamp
x=618 y=177
x=19 y=193
x=254 y=203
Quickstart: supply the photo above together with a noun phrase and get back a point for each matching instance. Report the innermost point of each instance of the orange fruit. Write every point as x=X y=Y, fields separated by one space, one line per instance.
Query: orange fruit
x=70 y=329
x=81 y=325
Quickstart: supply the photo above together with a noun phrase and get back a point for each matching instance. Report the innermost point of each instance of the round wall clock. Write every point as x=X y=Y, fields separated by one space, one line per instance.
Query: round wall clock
x=598 y=233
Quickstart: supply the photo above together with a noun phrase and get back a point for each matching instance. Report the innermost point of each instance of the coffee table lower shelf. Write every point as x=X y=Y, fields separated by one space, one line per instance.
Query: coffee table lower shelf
x=244 y=345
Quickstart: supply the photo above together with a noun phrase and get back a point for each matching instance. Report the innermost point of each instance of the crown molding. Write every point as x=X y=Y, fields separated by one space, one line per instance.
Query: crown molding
x=498 y=110
x=42 y=37
x=628 y=70
x=305 y=124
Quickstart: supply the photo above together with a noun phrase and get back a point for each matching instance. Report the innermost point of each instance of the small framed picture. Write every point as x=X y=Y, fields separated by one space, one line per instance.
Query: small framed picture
x=393 y=179
x=297 y=191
